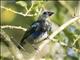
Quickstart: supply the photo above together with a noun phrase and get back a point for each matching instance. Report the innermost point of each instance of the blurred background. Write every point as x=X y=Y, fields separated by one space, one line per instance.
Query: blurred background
x=65 y=46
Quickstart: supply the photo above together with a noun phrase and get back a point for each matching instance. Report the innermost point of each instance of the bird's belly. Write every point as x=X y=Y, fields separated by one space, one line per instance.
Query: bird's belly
x=35 y=38
x=42 y=37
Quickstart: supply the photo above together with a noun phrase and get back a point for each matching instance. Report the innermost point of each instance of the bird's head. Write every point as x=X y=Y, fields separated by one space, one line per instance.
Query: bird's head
x=46 y=14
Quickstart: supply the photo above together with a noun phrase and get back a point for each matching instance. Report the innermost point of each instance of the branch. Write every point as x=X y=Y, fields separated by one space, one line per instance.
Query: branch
x=20 y=13
x=13 y=27
x=13 y=49
x=29 y=9
x=58 y=31
x=76 y=40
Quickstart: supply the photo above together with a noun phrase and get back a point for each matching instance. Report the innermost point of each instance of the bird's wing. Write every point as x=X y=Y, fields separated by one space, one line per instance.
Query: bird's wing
x=32 y=29
x=35 y=26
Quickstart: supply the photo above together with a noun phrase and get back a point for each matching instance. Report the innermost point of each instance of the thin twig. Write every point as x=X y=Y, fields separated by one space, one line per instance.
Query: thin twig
x=29 y=9
x=13 y=27
x=20 y=13
x=76 y=40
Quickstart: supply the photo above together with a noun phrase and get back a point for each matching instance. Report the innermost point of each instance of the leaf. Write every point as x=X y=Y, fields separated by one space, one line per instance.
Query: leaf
x=22 y=3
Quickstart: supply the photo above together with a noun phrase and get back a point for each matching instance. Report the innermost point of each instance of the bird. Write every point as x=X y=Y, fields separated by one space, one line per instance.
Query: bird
x=38 y=30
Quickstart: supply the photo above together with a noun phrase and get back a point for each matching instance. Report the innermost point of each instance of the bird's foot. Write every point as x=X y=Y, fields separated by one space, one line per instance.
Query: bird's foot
x=34 y=46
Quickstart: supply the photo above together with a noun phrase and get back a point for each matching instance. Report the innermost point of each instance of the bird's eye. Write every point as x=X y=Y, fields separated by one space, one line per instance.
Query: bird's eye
x=44 y=13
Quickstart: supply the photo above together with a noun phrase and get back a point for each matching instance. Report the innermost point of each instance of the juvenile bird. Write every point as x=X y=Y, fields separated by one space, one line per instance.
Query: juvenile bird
x=38 y=30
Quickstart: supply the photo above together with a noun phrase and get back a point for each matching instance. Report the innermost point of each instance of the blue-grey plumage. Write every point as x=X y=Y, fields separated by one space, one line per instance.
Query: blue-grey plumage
x=38 y=30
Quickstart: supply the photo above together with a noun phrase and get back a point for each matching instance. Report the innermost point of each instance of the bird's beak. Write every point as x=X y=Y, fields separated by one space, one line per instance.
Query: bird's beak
x=50 y=13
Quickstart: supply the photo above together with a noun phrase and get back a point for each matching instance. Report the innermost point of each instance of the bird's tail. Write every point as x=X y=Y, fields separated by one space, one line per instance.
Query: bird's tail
x=20 y=45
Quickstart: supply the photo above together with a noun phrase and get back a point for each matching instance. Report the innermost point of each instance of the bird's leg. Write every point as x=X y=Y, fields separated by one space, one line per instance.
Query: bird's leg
x=47 y=38
x=34 y=46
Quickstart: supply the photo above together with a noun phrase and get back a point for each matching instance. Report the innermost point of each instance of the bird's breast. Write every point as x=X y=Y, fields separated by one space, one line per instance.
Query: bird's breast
x=41 y=37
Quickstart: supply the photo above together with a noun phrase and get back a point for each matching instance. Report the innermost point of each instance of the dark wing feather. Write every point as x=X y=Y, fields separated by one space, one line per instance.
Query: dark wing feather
x=32 y=29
